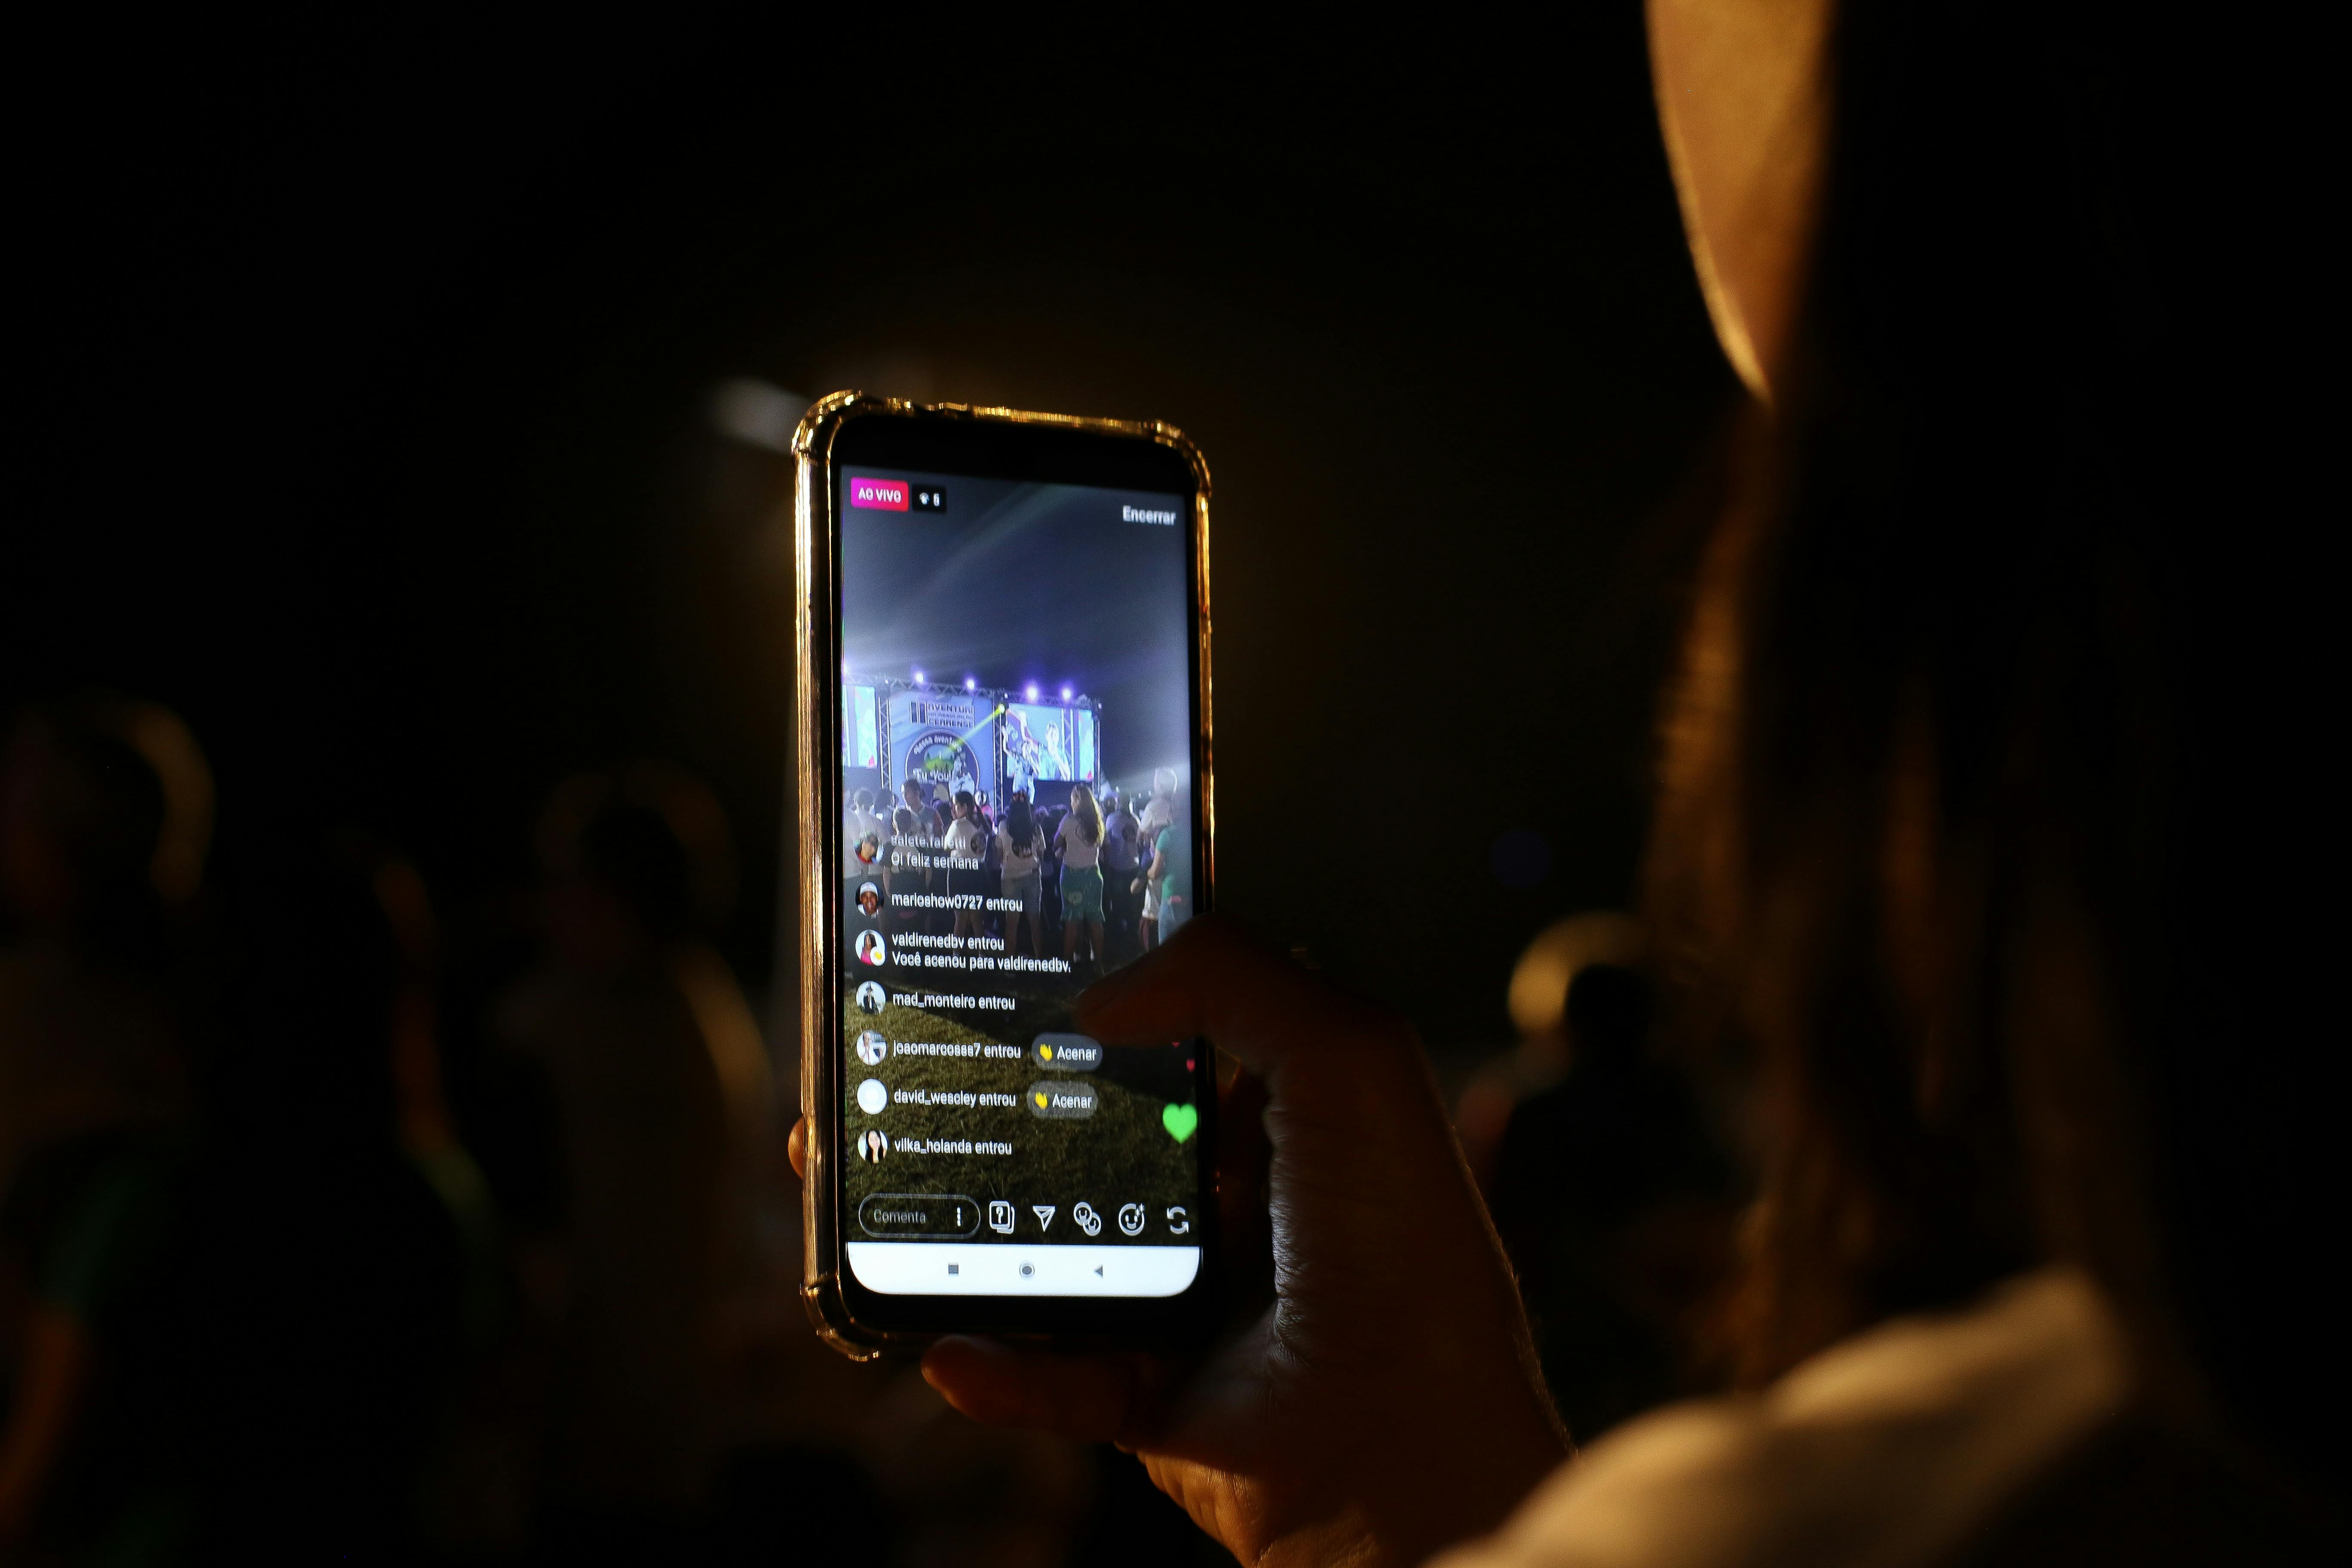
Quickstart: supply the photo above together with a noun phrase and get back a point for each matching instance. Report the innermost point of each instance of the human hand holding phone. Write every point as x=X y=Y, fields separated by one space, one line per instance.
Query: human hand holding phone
x=1387 y=1403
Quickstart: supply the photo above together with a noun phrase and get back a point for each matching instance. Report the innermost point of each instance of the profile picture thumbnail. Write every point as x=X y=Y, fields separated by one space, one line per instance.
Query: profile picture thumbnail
x=869 y=900
x=869 y=997
x=870 y=949
x=873 y=1145
x=872 y=1047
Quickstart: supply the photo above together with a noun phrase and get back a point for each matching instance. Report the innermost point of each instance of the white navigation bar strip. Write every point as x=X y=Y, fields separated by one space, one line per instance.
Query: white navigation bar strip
x=1002 y=1268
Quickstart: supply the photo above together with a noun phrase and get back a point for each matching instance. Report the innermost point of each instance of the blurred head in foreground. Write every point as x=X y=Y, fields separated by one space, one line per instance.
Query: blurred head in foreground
x=1975 y=712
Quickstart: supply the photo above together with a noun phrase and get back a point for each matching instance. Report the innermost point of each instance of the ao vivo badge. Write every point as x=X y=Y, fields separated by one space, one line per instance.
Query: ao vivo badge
x=879 y=495
x=1012 y=678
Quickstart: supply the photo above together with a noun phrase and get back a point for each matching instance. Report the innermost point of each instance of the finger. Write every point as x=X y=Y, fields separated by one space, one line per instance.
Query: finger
x=1092 y=1398
x=1210 y=980
x=796 y=1148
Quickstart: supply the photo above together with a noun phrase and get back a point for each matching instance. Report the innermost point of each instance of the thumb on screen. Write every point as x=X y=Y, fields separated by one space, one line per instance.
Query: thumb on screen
x=1210 y=980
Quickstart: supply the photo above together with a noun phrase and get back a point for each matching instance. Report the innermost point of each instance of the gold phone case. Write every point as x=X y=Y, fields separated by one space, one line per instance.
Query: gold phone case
x=811 y=851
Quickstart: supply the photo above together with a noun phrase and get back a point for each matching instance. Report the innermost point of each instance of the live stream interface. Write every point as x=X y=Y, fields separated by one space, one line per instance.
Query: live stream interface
x=1017 y=821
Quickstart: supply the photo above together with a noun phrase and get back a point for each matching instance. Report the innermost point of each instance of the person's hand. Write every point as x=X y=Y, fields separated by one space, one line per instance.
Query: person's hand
x=1387 y=1403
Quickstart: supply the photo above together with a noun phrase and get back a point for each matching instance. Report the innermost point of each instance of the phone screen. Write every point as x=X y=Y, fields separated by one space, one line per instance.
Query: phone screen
x=1018 y=818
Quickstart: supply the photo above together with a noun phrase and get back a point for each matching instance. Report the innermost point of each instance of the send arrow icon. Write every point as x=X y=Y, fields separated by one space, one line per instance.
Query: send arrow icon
x=1044 y=1213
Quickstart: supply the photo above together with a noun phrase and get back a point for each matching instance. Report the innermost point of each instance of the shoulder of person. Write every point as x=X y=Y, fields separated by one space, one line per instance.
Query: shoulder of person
x=1907 y=1443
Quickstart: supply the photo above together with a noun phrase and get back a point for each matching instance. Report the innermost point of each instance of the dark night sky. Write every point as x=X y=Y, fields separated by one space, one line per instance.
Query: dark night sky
x=371 y=374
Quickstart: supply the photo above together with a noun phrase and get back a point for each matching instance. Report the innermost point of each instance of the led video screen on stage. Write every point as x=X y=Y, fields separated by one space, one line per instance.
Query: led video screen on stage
x=944 y=742
x=1054 y=744
x=861 y=728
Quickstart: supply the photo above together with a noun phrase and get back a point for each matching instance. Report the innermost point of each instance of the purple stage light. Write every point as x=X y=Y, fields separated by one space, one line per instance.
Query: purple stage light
x=1032 y=691
x=971 y=683
x=1065 y=694
x=918 y=678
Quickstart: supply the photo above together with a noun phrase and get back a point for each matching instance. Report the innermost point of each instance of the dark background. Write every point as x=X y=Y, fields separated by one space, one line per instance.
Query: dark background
x=366 y=375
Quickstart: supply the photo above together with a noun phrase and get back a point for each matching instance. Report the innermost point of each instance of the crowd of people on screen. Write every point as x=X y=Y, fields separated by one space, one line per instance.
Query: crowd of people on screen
x=1094 y=881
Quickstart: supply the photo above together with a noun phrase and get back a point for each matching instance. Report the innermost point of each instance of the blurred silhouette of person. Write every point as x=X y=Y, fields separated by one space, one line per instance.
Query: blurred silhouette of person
x=967 y=844
x=1980 y=867
x=105 y=807
x=1119 y=869
x=1613 y=1205
x=660 y=1085
x=1170 y=873
x=1022 y=846
x=1156 y=817
x=1078 y=845
x=88 y=847
x=268 y=1318
x=1540 y=983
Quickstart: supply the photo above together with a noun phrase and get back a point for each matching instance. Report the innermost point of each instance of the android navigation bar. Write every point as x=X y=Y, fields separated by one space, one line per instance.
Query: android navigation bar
x=948 y=1268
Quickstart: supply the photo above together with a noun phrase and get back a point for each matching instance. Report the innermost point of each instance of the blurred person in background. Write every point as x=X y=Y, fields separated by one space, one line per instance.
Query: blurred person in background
x=1169 y=874
x=862 y=836
x=907 y=863
x=1614 y=1207
x=1078 y=844
x=105 y=812
x=95 y=855
x=1119 y=869
x=1020 y=844
x=1154 y=821
x=662 y=1102
x=1541 y=983
x=967 y=841
x=275 y=1310
x=1979 y=754
x=1049 y=870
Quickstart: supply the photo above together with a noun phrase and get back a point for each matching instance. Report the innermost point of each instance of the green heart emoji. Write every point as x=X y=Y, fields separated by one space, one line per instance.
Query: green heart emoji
x=1181 y=1120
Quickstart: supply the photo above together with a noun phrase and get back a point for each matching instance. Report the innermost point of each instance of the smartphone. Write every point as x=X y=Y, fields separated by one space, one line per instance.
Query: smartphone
x=1003 y=755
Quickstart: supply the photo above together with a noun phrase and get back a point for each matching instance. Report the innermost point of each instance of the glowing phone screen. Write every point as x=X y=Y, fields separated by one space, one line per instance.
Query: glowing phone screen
x=1018 y=820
